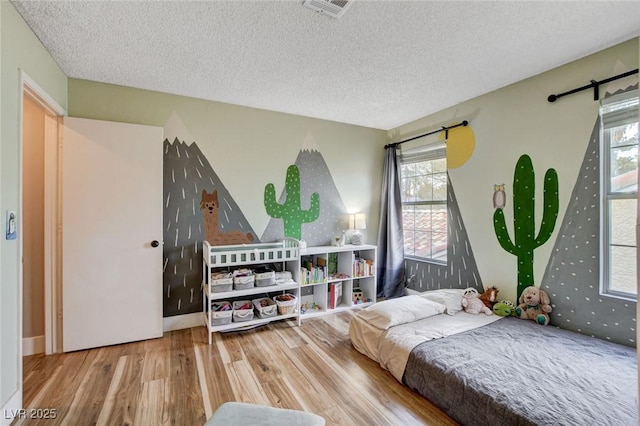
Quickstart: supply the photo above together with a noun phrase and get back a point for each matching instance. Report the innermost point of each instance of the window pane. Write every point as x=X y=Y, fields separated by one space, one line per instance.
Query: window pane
x=440 y=187
x=408 y=217
x=440 y=165
x=425 y=223
x=622 y=269
x=410 y=188
x=623 y=169
x=620 y=151
x=425 y=188
x=407 y=170
x=622 y=222
x=424 y=168
x=423 y=218
x=439 y=221
x=623 y=135
x=422 y=244
x=408 y=243
x=439 y=241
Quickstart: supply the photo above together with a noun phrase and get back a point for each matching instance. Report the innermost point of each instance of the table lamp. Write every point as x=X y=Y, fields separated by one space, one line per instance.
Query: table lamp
x=357 y=223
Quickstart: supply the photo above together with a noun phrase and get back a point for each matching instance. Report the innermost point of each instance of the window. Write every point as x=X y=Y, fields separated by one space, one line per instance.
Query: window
x=619 y=171
x=423 y=188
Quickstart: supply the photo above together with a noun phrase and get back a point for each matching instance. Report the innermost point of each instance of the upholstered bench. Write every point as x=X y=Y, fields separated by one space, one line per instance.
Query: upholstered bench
x=241 y=414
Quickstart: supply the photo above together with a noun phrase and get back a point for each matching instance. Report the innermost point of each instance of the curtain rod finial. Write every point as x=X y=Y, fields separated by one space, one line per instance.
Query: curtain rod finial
x=552 y=98
x=465 y=122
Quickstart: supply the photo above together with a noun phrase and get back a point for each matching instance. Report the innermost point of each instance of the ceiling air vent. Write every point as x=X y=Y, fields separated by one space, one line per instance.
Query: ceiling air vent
x=333 y=8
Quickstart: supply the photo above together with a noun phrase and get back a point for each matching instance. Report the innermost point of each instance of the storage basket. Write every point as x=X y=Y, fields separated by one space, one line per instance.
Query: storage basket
x=265 y=278
x=243 y=279
x=265 y=307
x=283 y=277
x=286 y=303
x=242 y=310
x=220 y=282
x=221 y=313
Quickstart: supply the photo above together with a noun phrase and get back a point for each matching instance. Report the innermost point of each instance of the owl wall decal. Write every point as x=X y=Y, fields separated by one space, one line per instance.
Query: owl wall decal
x=499 y=197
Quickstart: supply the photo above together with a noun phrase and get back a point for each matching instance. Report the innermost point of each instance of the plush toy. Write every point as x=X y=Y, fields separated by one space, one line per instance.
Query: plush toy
x=503 y=310
x=472 y=303
x=490 y=297
x=534 y=305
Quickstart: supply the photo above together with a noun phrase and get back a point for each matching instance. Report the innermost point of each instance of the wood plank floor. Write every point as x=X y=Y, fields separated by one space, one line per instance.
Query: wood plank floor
x=180 y=379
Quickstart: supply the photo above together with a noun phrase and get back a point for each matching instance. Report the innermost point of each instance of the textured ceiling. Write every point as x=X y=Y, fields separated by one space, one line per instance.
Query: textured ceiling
x=381 y=65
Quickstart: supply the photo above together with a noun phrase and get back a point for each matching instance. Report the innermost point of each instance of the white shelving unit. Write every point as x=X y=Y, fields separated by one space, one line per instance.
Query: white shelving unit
x=352 y=266
x=285 y=255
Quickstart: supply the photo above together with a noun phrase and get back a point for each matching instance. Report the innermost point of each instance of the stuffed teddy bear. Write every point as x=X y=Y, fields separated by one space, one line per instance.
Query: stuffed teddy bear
x=534 y=305
x=472 y=304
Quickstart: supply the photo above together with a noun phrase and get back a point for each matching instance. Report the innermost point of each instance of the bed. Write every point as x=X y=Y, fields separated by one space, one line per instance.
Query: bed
x=488 y=370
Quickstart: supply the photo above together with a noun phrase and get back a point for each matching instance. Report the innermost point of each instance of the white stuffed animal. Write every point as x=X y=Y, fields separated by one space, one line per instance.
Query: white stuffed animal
x=472 y=304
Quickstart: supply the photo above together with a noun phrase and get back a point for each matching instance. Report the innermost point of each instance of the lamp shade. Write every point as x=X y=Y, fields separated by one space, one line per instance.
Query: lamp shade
x=357 y=221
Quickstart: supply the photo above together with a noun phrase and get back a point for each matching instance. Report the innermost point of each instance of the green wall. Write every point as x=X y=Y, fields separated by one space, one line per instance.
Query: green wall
x=21 y=50
x=249 y=147
x=517 y=120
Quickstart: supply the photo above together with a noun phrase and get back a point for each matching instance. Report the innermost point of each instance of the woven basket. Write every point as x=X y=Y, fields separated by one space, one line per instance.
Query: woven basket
x=286 y=306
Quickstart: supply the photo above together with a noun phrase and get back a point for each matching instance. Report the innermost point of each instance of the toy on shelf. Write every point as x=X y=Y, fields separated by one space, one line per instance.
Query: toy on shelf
x=358 y=298
x=339 y=277
x=313 y=306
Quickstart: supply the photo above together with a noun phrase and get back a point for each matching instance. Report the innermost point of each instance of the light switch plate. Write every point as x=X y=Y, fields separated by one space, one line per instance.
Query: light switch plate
x=12 y=225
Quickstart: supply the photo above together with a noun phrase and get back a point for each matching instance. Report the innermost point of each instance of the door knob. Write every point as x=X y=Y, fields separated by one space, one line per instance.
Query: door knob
x=155 y=243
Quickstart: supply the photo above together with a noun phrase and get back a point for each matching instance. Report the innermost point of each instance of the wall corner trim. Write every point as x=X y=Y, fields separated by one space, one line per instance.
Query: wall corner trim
x=33 y=345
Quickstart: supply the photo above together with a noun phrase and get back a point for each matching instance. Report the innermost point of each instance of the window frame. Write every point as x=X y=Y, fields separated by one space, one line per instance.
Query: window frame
x=427 y=153
x=607 y=195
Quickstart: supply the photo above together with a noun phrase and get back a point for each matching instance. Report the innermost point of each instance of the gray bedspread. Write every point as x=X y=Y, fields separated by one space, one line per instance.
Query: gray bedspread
x=516 y=372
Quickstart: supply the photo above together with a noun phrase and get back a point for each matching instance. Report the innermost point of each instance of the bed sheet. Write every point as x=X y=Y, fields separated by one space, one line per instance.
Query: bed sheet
x=391 y=348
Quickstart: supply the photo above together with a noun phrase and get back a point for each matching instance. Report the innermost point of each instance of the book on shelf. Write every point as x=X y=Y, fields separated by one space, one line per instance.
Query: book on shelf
x=313 y=273
x=333 y=263
x=335 y=295
x=363 y=267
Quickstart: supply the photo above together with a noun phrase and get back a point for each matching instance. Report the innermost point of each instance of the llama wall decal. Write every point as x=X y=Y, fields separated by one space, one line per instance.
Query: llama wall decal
x=212 y=233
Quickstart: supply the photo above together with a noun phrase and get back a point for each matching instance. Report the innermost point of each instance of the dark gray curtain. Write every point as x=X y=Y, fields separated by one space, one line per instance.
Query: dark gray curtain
x=390 y=269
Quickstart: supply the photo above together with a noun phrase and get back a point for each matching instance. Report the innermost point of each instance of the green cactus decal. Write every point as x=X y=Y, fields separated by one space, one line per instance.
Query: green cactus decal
x=525 y=241
x=290 y=211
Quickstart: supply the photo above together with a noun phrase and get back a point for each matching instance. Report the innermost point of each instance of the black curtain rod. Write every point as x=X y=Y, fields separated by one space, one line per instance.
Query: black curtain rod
x=443 y=129
x=594 y=84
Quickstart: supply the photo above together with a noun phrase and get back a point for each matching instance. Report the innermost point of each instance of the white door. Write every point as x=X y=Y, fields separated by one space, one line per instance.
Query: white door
x=111 y=233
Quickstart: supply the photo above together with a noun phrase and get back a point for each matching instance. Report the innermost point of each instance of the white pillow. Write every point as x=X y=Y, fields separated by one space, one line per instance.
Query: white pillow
x=398 y=311
x=451 y=298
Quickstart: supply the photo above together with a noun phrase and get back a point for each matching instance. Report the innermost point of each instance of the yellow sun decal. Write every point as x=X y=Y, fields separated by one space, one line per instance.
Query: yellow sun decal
x=460 y=145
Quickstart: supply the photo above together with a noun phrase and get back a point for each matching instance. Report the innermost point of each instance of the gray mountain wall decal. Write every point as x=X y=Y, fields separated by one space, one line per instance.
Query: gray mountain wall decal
x=461 y=270
x=572 y=275
x=314 y=177
x=187 y=173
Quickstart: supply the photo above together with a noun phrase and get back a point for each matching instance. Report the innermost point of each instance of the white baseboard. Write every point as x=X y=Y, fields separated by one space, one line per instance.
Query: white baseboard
x=11 y=408
x=180 y=322
x=32 y=345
